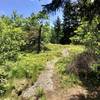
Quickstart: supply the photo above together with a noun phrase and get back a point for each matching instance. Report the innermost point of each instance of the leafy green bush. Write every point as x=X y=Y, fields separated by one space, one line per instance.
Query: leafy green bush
x=89 y=35
x=3 y=82
x=28 y=66
x=40 y=93
x=11 y=38
x=46 y=34
x=96 y=69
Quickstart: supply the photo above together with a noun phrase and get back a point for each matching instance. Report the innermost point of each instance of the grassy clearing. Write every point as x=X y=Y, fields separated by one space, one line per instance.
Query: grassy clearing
x=25 y=71
x=62 y=64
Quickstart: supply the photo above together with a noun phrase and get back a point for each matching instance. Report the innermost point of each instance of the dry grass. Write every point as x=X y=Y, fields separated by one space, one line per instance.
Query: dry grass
x=81 y=63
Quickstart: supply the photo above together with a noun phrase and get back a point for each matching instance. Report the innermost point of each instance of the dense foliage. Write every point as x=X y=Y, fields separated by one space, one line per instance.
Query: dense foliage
x=18 y=34
x=11 y=39
x=22 y=38
x=70 y=21
x=89 y=35
x=57 y=34
x=87 y=11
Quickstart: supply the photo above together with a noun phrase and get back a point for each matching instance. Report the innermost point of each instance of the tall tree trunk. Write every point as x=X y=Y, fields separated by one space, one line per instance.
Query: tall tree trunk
x=39 y=40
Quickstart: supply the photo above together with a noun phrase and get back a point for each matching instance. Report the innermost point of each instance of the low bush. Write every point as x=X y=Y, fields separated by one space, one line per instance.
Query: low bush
x=81 y=63
x=65 y=77
x=10 y=42
x=29 y=66
x=40 y=93
x=3 y=82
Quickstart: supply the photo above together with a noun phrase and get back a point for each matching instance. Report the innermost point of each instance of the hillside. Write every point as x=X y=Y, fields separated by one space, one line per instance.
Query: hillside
x=25 y=72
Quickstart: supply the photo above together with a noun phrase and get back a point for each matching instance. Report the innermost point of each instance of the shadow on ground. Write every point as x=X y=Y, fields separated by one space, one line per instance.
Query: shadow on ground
x=92 y=84
x=90 y=79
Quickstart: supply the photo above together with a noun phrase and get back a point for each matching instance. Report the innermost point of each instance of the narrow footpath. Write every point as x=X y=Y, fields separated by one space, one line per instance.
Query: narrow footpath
x=49 y=81
x=45 y=79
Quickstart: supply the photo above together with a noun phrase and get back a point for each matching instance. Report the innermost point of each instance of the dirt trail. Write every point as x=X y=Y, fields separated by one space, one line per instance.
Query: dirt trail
x=45 y=80
x=48 y=80
x=73 y=93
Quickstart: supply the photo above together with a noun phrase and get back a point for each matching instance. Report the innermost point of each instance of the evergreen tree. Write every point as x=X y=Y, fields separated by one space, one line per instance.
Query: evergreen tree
x=41 y=16
x=58 y=30
x=70 y=21
x=17 y=19
x=88 y=8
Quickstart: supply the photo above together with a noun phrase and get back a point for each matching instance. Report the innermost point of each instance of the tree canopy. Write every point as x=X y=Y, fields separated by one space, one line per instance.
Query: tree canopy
x=88 y=8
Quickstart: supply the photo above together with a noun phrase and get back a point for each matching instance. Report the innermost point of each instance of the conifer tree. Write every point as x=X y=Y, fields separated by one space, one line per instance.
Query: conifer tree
x=58 y=30
x=70 y=21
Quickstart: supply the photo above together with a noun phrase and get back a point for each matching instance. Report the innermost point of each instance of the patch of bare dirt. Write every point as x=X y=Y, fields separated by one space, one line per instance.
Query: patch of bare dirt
x=45 y=81
x=74 y=93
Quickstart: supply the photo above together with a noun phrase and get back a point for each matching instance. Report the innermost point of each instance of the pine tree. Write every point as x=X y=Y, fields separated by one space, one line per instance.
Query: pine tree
x=88 y=8
x=57 y=29
x=70 y=21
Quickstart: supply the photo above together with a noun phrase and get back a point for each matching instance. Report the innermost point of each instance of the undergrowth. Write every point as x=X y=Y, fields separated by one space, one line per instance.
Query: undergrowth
x=25 y=71
x=67 y=79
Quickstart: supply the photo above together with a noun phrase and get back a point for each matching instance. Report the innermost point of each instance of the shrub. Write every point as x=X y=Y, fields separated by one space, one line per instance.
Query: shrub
x=3 y=82
x=81 y=64
x=67 y=78
x=11 y=39
x=40 y=93
x=89 y=35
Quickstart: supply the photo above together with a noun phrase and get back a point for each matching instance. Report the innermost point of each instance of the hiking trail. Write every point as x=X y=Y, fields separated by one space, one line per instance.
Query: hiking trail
x=48 y=81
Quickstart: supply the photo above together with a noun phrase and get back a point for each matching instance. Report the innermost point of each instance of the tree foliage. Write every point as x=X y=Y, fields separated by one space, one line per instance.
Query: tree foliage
x=11 y=39
x=18 y=33
x=88 y=8
x=57 y=31
x=70 y=20
x=88 y=34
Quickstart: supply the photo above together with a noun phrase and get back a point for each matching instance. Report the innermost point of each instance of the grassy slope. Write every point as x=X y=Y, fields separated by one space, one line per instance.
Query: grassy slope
x=62 y=64
x=29 y=66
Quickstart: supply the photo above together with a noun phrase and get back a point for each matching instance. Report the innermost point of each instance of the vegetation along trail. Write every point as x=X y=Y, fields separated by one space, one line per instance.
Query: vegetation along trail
x=50 y=50
x=45 y=80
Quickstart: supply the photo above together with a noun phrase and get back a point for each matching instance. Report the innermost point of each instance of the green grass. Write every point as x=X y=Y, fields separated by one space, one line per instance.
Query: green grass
x=61 y=66
x=29 y=66
x=40 y=93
